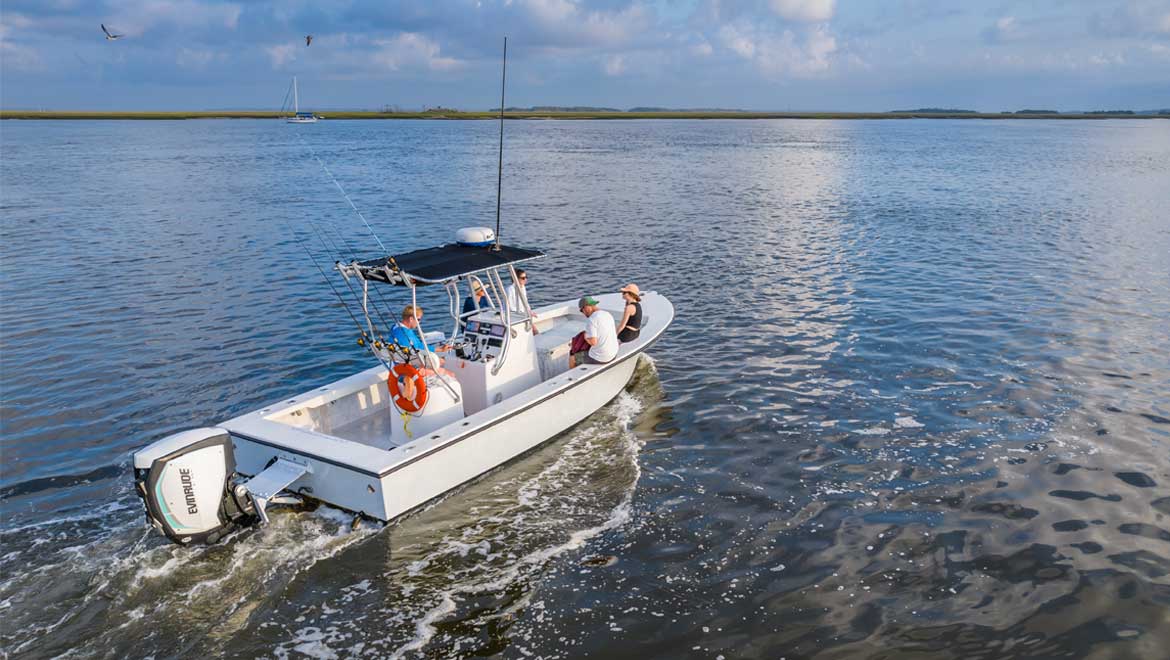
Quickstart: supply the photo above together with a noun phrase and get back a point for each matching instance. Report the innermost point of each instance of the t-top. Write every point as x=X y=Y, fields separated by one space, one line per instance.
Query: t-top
x=600 y=325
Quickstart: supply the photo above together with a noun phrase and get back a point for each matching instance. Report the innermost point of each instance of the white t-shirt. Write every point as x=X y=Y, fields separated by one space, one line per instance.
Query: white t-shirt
x=600 y=325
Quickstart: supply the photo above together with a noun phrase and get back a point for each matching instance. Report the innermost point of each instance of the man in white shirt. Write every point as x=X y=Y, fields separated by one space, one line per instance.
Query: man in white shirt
x=600 y=335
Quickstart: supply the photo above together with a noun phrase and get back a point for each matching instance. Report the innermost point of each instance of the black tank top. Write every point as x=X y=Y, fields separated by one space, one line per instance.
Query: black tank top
x=633 y=326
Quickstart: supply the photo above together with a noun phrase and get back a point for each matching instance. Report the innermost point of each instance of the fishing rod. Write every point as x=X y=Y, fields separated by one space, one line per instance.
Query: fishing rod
x=365 y=340
x=500 y=166
x=352 y=253
x=325 y=241
x=345 y=195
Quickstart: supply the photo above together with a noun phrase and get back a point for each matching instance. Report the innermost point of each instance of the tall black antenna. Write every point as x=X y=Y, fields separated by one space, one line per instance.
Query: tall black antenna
x=500 y=169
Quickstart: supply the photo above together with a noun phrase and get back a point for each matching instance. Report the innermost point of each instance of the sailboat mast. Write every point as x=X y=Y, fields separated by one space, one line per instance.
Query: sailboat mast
x=500 y=167
x=296 y=103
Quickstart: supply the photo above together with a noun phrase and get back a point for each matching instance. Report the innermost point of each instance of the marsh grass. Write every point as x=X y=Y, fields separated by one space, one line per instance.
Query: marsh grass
x=455 y=114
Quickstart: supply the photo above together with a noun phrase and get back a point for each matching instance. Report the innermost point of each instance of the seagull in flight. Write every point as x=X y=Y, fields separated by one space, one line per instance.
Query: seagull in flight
x=308 y=39
x=111 y=37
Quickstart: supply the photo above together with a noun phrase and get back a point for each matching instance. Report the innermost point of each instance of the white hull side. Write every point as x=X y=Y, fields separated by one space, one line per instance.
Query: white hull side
x=411 y=484
x=416 y=483
x=347 y=487
x=385 y=481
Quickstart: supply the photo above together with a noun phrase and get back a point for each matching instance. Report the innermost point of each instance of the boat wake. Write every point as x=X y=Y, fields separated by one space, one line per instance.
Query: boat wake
x=109 y=580
x=461 y=571
x=449 y=579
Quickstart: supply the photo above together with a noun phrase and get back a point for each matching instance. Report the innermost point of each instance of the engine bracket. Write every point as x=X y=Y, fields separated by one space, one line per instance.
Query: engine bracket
x=266 y=486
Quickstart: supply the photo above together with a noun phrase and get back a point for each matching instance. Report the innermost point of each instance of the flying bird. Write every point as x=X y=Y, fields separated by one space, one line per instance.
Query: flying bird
x=308 y=39
x=111 y=37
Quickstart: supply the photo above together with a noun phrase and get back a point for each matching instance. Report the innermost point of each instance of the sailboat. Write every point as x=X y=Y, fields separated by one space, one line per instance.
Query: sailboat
x=298 y=116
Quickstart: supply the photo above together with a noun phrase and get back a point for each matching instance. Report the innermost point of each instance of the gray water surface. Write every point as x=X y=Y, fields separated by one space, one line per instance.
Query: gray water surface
x=915 y=402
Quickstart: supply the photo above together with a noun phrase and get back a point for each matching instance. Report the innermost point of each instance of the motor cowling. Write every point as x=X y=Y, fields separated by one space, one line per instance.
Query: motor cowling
x=188 y=484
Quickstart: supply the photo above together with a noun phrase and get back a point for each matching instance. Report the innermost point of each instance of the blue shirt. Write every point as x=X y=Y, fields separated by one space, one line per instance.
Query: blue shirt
x=470 y=304
x=408 y=337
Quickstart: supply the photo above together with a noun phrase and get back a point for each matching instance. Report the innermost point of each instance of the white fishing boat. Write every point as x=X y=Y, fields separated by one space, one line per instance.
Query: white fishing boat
x=436 y=411
x=298 y=116
x=388 y=439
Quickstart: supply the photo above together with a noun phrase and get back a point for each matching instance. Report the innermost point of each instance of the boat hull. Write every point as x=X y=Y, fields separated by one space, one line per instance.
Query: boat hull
x=418 y=482
x=384 y=475
x=387 y=494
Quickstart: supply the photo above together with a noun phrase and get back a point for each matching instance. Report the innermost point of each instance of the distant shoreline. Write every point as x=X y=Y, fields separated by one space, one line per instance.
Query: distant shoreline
x=451 y=114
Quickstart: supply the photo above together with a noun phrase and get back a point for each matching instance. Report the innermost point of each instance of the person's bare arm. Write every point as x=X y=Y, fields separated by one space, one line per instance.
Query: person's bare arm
x=626 y=318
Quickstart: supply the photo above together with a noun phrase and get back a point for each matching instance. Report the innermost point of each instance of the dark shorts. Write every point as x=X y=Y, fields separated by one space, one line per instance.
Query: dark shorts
x=582 y=357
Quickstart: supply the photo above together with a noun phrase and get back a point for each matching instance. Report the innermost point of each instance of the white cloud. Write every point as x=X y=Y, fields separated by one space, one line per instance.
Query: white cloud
x=1106 y=59
x=281 y=54
x=783 y=53
x=1149 y=18
x=738 y=42
x=411 y=50
x=135 y=17
x=804 y=11
x=566 y=22
x=615 y=65
x=1005 y=28
x=193 y=58
x=17 y=56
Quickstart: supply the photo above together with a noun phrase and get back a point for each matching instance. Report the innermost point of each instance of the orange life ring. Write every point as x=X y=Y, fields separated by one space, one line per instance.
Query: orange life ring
x=408 y=388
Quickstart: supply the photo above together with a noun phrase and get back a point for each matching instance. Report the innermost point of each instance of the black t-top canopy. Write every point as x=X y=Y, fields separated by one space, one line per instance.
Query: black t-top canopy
x=440 y=264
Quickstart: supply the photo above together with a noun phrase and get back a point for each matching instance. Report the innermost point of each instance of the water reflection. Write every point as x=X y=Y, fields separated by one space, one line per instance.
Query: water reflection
x=914 y=400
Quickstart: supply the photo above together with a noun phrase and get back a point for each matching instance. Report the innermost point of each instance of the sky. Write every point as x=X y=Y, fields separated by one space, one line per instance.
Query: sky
x=800 y=55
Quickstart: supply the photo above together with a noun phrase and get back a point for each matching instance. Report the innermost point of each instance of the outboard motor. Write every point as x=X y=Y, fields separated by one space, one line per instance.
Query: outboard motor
x=190 y=488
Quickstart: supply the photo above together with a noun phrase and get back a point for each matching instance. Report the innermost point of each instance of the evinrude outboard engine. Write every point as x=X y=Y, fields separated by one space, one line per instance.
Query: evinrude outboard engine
x=190 y=488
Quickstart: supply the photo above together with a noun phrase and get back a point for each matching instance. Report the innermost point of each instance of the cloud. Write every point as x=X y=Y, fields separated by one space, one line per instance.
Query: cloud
x=1005 y=28
x=804 y=11
x=14 y=55
x=778 y=54
x=281 y=54
x=136 y=17
x=569 y=24
x=738 y=41
x=411 y=50
x=1137 y=18
x=1106 y=59
x=684 y=53
x=194 y=58
x=615 y=65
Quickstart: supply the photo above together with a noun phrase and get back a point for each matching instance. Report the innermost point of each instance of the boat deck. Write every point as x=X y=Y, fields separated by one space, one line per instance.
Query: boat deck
x=372 y=430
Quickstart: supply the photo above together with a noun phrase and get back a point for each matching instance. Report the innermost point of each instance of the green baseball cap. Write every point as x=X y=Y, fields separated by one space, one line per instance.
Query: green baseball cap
x=587 y=300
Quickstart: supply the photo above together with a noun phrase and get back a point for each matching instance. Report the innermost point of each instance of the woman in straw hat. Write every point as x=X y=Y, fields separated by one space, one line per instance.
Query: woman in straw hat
x=631 y=323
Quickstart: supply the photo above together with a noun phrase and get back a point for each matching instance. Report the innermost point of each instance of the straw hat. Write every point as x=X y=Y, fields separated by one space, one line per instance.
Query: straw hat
x=633 y=290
